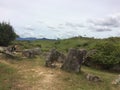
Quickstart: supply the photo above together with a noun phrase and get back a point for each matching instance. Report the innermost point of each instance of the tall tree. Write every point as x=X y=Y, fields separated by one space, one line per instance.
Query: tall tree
x=7 y=34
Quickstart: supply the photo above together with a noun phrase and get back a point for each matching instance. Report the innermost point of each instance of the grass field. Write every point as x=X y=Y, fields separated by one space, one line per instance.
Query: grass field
x=31 y=74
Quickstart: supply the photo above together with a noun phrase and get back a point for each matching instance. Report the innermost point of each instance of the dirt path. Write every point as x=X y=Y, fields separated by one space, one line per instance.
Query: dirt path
x=40 y=78
x=33 y=75
x=36 y=77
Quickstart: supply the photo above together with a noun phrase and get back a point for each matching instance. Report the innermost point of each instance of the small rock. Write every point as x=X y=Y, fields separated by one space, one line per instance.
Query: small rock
x=116 y=81
x=93 y=78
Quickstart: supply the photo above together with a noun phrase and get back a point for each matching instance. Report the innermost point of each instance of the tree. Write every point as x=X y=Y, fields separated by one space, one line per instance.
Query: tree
x=7 y=34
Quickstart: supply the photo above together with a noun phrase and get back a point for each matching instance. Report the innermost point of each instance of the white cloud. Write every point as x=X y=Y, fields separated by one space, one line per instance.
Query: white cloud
x=51 y=27
x=28 y=27
x=61 y=18
x=27 y=34
x=110 y=22
x=100 y=28
x=105 y=24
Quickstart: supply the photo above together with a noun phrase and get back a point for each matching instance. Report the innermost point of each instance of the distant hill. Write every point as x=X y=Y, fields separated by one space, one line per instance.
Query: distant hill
x=32 y=39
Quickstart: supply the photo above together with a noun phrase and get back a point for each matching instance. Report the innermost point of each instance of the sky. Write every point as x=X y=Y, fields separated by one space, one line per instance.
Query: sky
x=62 y=18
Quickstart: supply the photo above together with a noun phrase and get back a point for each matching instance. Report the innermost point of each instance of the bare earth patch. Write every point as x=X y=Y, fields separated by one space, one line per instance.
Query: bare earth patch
x=40 y=78
x=35 y=76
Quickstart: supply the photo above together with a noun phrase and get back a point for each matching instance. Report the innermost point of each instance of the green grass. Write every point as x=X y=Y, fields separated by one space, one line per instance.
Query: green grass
x=64 y=45
x=79 y=82
x=29 y=77
x=107 y=56
x=8 y=77
x=28 y=72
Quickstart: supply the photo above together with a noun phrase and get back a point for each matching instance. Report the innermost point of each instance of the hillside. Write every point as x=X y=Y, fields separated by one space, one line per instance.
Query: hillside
x=65 y=44
x=31 y=74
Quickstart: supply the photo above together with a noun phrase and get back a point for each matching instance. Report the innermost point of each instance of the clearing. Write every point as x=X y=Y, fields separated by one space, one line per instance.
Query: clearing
x=31 y=74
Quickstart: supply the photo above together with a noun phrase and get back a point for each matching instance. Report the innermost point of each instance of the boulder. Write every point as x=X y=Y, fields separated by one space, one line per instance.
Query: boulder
x=11 y=48
x=2 y=49
x=28 y=53
x=31 y=52
x=61 y=58
x=74 y=60
x=36 y=51
x=52 y=57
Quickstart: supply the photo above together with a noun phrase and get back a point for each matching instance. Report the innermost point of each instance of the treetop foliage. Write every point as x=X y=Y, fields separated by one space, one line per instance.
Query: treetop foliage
x=7 y=34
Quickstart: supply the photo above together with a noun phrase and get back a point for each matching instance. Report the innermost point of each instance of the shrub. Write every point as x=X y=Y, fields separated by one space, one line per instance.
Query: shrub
x=108 y=54
x=78 y=45
x=7 y=34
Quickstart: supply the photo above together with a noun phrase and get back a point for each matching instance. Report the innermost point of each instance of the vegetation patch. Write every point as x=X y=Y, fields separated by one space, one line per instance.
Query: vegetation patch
x=8 y=77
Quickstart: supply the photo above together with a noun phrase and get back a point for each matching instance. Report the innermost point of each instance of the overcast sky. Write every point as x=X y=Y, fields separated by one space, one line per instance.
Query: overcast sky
x=62 y=18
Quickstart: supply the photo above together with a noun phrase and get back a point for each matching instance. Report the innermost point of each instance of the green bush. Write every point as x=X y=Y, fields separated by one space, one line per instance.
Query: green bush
x=7 y=34
x=108 y=54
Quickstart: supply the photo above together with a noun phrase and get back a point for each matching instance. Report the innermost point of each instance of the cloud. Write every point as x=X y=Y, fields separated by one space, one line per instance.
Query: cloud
x=51 y=27
x=100 y=28
x=105 y=24
x=27 y=34
x=40 y=36
x=28 y=28
x=74 y=25
x=66 y=25
x=60 y=26
x=103 y=29
x=54 y=29
x=110 y=22
x=41 y=22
